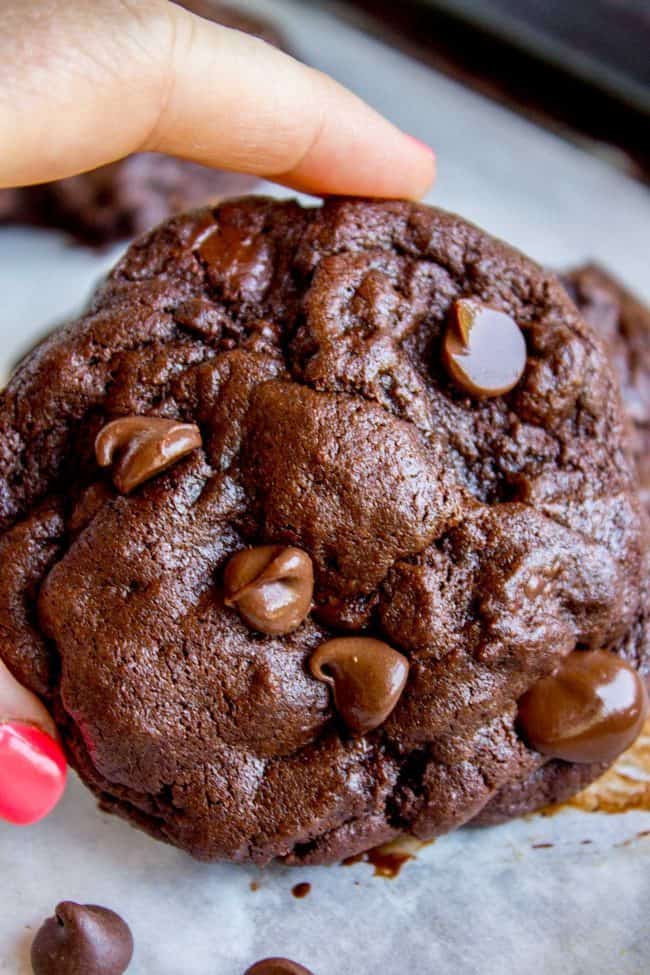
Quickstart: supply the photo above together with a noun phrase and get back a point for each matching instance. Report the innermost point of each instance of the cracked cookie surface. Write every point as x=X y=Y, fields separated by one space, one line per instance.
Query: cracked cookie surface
x=623 y=323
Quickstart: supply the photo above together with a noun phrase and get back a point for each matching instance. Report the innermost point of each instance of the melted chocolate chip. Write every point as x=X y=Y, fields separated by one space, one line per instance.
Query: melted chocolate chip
x=484 y=349
x=236 y=261
x=82 y=940
x=277 y=966
x=387 y=859
x=140 y=447
x=201 y=317
x=300 y=891
x=367 y=678
x=590 y=710
x=271 y=586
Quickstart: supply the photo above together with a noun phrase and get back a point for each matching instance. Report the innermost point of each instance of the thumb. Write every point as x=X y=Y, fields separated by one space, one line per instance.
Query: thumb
x=32 y=763
x=19 y=704
x=92 y=82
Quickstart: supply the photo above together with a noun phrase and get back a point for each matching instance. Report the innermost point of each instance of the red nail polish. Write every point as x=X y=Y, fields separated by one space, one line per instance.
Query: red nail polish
x=32 y=773
x=421 y=145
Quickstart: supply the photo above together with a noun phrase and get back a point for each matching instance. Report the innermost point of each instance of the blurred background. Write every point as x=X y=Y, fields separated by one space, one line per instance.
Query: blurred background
x=579 y=66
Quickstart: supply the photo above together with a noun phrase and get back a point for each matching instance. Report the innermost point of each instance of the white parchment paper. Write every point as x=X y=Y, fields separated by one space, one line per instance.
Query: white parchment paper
x=564 y=894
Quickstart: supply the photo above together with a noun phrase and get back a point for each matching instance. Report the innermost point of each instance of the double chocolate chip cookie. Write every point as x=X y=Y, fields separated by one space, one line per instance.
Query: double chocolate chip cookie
x=623 y=323
x=128 y=197
x=320 y=526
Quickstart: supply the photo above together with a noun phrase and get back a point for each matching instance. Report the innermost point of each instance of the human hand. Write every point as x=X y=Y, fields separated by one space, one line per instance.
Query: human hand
x=86 y=82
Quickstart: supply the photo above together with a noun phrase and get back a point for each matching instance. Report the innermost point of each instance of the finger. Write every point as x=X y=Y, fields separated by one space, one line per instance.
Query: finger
x=272 y=116
x=32 y=764
x=19 y=704
x=112 y=77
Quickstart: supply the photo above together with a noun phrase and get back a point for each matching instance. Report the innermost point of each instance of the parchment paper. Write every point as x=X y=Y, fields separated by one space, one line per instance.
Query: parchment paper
x=561 y=894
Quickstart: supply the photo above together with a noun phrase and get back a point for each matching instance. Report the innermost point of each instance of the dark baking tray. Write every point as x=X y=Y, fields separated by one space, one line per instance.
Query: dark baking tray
x=603 y=42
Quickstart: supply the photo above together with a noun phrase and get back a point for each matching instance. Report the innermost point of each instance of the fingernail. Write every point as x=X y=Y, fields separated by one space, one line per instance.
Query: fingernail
x=420 y=144
x=32 y=773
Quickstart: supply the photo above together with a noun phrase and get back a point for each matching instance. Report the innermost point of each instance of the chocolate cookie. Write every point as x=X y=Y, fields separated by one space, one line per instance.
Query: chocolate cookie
x=303 y=519
x=128 y=197
x=623 y=322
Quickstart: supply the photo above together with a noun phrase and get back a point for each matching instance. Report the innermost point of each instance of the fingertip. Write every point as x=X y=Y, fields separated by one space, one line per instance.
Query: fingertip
x=424 y=172
x=394 y=166
x=356 y=151
x=33 y=773
x=422 y=146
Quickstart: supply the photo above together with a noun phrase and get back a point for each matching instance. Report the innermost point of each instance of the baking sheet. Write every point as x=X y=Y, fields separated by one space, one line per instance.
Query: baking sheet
x=565 y=893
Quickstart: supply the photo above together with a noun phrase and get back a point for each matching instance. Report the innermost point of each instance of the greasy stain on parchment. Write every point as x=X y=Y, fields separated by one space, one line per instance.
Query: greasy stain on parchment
x=389 y=858
x=625 y=787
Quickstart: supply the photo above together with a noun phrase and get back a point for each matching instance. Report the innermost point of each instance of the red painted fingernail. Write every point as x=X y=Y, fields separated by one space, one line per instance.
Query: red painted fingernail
x=32 y=773
x=420 y=144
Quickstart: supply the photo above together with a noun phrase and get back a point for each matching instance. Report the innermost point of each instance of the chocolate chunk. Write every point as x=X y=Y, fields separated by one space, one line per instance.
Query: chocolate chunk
x=142 y=446
x=484 y=349
x=237 y=262
x=590 y=710
x=351 y=615
x=277 y=966
x=367 y=678
x=271 y=586
x=82 y=940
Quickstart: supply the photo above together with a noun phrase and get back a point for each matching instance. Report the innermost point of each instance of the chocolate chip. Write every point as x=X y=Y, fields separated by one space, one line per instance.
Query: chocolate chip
x=82 y=940
x=277 y=966
x=271 y=586
x=142 y=446
x=590 y=710
x=367 y=678
x=484 y=349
